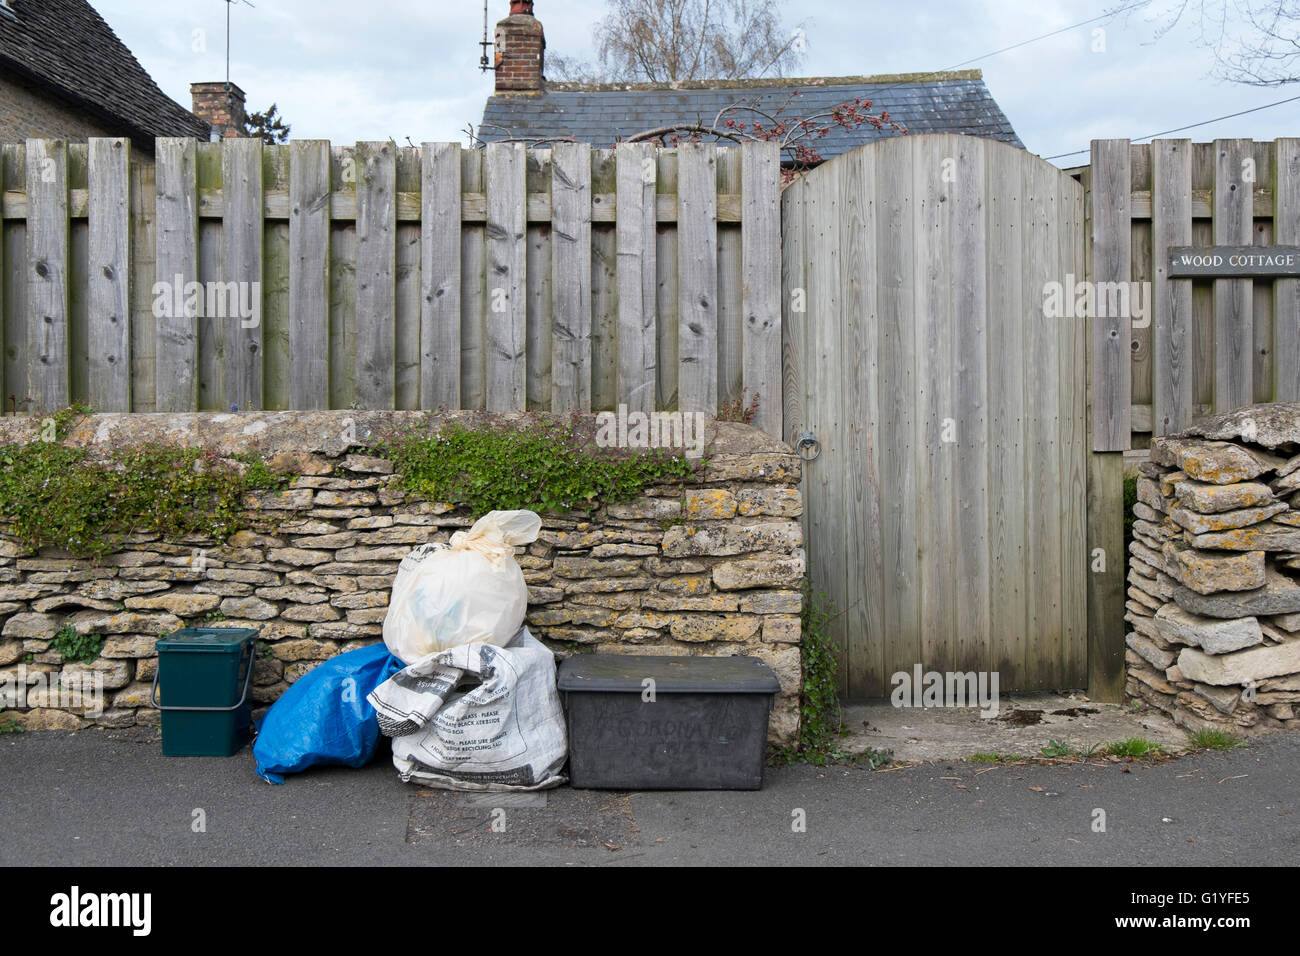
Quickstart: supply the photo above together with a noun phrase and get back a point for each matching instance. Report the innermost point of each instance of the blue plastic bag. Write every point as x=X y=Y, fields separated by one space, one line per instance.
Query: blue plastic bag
x=324 y=717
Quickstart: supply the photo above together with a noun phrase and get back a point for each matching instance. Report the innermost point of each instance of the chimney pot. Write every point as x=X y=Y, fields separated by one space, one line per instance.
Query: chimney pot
x=521 y=7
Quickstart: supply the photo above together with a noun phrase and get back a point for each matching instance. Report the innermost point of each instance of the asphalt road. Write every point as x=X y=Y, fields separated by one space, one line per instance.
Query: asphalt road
x=95 y=798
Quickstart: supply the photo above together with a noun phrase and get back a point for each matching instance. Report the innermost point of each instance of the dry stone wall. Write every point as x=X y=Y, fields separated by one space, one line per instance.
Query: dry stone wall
x=1214 y=573
x=712 y=567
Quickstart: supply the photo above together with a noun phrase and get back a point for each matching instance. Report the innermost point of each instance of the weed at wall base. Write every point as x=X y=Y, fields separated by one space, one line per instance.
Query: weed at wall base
x=821 y=727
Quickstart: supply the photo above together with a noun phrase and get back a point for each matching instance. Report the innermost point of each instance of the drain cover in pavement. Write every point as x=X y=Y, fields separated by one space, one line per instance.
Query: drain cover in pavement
x=561 y=818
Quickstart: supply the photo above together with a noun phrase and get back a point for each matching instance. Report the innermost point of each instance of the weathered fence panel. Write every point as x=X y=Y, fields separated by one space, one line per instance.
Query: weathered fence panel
x=697 y=277
x=637 y=342
x=761 y=306
x=1205 y=344
x=109 y=341
x=176 y=336
x=1286 y=292
x=47 y=265
x=440 y=276
x=309 y=276
x=237 y=275
x=375 y=358
x=244 y=233
x=946 y=515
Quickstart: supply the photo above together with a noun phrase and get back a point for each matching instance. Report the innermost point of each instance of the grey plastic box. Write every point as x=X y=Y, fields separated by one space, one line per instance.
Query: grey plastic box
x=704 y=729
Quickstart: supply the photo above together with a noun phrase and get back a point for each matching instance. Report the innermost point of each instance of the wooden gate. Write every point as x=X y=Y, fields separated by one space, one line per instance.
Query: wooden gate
x=945 y=517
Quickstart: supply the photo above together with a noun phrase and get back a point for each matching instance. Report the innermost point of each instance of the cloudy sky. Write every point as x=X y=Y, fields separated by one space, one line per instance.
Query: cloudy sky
x=349 y=71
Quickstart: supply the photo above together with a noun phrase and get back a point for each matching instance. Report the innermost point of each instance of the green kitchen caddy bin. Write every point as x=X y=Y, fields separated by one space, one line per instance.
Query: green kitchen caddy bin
x=203 y=677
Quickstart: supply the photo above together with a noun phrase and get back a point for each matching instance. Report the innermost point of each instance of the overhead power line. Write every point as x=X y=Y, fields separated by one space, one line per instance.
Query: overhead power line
x=1022 y=43
x=1073 y=26
x=1180 y=129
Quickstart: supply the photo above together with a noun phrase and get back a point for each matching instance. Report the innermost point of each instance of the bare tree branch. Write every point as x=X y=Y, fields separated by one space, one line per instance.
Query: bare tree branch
x=673 y=41
x=1254 y=42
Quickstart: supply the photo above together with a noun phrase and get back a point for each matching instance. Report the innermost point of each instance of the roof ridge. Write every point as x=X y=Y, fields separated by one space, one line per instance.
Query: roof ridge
x=937 y=76
x=68 y=48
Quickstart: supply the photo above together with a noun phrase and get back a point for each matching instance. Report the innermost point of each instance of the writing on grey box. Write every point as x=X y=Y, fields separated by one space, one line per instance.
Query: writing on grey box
x=1233 y=262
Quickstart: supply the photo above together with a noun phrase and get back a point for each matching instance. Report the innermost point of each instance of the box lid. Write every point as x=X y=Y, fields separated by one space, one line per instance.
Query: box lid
x=208 y=640
x=627 y=672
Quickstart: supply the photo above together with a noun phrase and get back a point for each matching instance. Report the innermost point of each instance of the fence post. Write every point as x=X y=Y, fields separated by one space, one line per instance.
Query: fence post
x=1106 y=561
x=1105 y=490
x=1112 y=385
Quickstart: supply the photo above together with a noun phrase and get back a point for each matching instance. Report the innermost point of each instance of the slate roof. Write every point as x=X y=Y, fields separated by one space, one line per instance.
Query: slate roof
x=65 y=47
x=951 y=102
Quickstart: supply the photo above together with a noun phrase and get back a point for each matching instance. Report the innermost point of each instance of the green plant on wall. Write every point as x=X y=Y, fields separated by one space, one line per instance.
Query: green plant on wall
x=71 y=646
x=543 y=465
x=1130 y=499
x=9 y=725
x=64 y=497
x=821 y=729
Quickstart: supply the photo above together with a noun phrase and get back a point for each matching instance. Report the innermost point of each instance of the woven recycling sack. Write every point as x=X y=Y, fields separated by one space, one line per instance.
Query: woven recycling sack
x=477 y=717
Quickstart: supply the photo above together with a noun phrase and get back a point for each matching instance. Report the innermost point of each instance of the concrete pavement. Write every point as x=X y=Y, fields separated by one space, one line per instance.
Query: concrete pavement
x=111 y=798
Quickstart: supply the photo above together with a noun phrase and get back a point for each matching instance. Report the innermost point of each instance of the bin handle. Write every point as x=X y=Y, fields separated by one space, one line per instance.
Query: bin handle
x=248 y=682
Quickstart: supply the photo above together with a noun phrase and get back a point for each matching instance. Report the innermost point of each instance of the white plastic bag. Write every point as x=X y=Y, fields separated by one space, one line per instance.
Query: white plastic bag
x=444 y=596
x=477 y=717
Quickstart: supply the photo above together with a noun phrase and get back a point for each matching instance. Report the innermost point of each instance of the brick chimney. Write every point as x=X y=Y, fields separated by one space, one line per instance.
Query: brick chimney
x=520 y=50
x=221 y=105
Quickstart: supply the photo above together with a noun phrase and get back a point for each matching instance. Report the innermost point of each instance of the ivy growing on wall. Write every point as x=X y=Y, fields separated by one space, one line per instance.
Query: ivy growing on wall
x=86 y=501
x=542 y=465
x=58 y=496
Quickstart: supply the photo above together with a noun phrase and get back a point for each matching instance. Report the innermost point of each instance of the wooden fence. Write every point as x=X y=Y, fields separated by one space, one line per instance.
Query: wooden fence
x=390 y=277
x=1208 y=345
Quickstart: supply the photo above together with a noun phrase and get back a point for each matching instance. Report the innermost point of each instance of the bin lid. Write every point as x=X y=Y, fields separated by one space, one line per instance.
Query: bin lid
x=626 y=672
x=209 y=640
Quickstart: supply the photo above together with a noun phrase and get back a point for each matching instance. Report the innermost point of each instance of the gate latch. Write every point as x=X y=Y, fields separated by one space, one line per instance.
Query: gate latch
x=807 y=446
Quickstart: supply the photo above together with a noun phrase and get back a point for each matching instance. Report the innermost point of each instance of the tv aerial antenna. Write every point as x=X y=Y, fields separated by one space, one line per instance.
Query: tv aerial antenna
x=229 y=4
x=484 y=61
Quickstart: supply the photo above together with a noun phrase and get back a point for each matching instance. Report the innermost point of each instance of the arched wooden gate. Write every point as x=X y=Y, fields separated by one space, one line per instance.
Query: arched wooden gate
x=946 y=514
